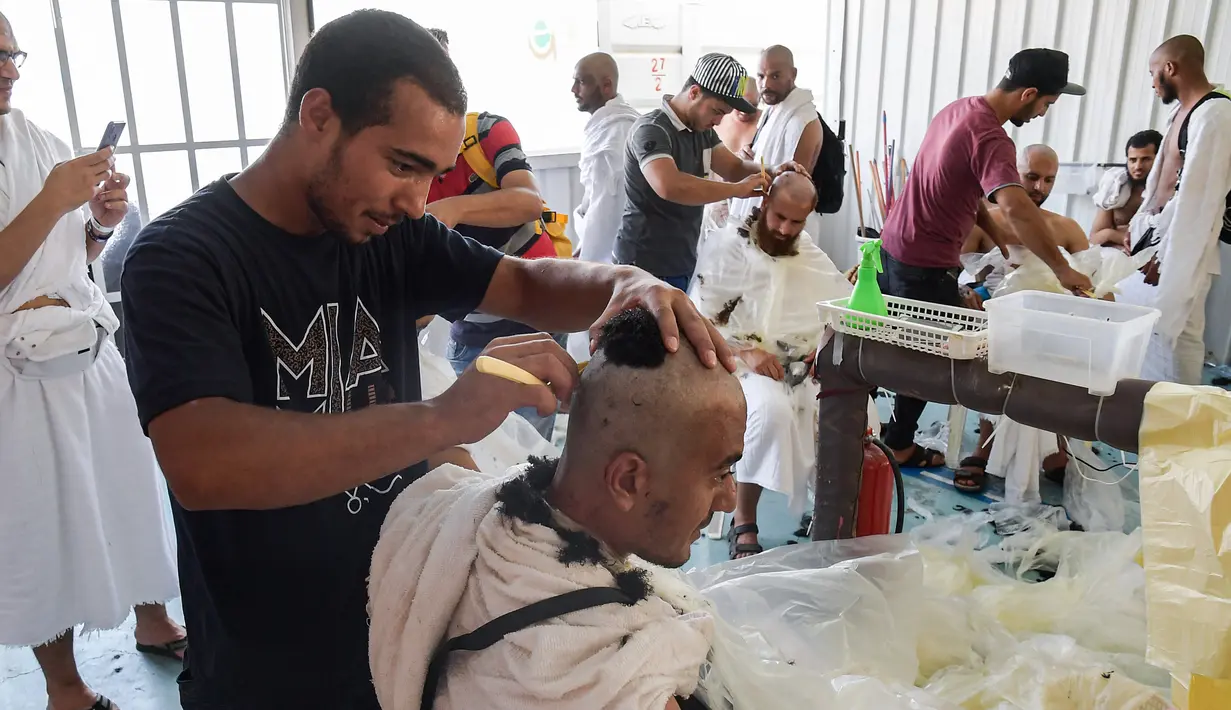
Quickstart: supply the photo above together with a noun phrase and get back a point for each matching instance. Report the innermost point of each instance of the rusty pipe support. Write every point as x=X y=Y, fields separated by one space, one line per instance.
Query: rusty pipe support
x=864 y=365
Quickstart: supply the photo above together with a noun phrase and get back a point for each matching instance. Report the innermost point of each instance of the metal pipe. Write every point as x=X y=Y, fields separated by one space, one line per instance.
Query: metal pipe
x=863 y=365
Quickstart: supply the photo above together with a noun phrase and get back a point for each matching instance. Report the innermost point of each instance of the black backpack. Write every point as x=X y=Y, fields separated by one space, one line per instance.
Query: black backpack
x=829 y=174
x=1182 y=140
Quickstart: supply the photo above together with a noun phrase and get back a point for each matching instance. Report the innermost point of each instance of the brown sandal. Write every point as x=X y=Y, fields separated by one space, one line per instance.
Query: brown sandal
x=743 y=548
x=971 y=475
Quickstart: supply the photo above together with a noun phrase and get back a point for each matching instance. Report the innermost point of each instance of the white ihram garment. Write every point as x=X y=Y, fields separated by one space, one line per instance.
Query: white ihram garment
x=83 y=527
x=597 y=217
x=777 y=138
x=448 y=561
x=1188 y=227
x=770 y=302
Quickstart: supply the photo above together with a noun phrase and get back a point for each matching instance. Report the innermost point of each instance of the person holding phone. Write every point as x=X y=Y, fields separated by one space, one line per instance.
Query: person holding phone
x=81 y=501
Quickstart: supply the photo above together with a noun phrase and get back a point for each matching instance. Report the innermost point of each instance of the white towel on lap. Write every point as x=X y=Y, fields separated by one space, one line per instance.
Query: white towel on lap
x=448 y=561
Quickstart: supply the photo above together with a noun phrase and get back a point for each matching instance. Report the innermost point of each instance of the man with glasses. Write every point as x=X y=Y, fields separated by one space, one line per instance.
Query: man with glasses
x=82 y=520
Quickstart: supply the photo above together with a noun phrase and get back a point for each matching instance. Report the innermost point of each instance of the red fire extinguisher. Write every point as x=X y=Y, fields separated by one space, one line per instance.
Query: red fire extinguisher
x=880 y=479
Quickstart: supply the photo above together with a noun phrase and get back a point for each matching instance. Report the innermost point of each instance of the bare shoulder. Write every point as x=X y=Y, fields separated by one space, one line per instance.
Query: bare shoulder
x=1068 y=232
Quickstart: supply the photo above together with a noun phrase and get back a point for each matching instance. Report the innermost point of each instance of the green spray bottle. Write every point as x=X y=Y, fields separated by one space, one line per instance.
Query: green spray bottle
x=867 y=297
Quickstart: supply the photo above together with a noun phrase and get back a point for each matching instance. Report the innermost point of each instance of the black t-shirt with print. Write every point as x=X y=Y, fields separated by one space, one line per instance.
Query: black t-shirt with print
x=218 y=302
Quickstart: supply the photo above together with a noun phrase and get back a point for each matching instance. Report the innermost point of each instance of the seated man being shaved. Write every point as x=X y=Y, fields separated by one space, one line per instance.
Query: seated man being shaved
x=652 y=438
x=758 y=280
x=1037 y=166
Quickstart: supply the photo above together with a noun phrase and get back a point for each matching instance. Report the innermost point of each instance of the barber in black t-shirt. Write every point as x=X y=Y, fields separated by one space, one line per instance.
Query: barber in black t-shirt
x=270 y=334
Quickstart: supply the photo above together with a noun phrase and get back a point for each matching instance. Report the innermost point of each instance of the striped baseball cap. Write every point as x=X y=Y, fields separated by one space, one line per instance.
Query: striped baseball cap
x=724 y=76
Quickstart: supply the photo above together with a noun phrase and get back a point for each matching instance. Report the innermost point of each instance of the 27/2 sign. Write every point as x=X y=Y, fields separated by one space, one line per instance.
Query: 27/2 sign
x=658 y=71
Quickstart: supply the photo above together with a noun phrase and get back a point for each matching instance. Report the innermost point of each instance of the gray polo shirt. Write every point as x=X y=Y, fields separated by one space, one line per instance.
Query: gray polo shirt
x=657 y=235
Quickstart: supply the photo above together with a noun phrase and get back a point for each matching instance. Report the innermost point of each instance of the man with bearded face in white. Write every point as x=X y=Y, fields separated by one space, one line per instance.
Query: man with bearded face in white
x=759 y=279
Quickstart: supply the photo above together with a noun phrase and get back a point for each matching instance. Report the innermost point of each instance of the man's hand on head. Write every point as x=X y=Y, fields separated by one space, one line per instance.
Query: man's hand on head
x=790 y=166
x=675 y=313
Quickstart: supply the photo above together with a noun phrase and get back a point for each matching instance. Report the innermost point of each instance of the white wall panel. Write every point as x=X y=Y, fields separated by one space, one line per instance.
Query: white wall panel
x=912 y=57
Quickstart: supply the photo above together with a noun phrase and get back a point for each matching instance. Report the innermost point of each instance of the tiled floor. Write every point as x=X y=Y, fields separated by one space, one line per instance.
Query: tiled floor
x=112 y=666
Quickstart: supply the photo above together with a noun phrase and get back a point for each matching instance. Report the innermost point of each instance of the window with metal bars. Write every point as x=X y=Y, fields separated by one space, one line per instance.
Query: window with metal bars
x=201 y=84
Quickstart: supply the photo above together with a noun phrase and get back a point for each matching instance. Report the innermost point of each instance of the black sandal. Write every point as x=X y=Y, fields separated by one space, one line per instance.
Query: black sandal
x=743 y=548
x=968 y=480
x=102 y=703
x=171 y=649
x=923 y=458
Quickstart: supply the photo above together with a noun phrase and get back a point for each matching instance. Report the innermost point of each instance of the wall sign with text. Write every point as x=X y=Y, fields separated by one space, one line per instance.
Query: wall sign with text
x=645 y=78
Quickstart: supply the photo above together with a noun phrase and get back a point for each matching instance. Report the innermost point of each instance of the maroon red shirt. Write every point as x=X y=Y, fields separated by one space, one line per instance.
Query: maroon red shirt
x=965 y=156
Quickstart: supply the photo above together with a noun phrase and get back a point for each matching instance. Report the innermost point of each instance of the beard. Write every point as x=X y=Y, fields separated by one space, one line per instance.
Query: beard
x=1166 y=90
x=774 y=243
x=1038 y=198
x=323 y=185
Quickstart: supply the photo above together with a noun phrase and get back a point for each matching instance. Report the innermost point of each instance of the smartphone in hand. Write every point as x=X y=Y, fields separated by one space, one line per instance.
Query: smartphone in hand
x=111 y=136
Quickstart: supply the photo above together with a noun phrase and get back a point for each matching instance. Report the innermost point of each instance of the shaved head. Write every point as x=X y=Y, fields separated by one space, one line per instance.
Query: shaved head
x=596 y=80
x=601 y=64
x=8 y=70
x=1178 y=69
x=1035 y=152
x=784 y=211
x=652 y=437
x=1037 y=166
x=1182 y=49
x=794 y=187
x=776 y=75
x=779 y=53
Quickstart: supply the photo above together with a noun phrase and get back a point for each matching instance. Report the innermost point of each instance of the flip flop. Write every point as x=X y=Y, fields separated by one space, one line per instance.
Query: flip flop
x=745 y=548
x=923 y=458
x=171 y=649
x=971 y=475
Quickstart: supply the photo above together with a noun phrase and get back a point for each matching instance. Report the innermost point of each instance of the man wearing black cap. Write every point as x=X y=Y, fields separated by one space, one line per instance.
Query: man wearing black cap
x=669 y=156
x=965 y=157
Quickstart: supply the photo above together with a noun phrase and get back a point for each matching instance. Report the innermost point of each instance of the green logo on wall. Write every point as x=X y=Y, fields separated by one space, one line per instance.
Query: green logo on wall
x=542 y=41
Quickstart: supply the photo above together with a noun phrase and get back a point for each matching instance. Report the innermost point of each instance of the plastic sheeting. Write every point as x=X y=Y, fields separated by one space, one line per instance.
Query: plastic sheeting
x=1106 y=268
x=1185 y=464
x=930 y=622
x=1093 y=498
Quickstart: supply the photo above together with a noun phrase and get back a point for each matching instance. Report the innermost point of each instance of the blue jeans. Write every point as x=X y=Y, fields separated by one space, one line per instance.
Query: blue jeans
x=680 y=282
x=460 y=356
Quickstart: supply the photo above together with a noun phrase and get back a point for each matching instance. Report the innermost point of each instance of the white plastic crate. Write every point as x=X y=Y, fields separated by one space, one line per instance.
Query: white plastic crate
x=1083 y=342
x=956 y=333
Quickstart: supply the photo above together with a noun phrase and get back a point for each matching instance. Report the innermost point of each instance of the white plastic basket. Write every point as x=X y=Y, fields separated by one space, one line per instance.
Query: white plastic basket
x=955 y=333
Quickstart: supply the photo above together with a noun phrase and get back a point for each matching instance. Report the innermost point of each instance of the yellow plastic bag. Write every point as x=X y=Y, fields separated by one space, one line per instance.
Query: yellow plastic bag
x=1185 y=466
